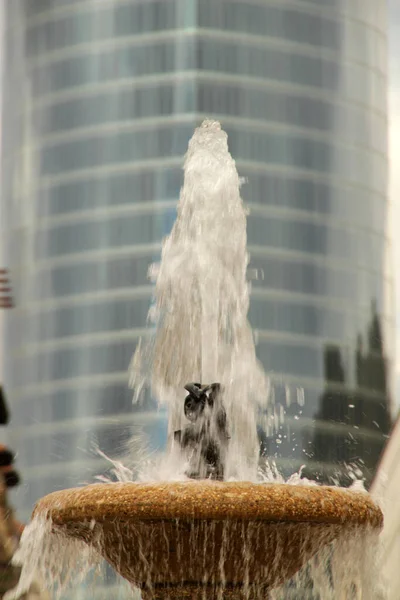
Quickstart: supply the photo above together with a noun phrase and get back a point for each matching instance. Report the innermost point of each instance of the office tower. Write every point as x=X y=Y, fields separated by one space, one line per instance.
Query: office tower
x=394 y=154
x=100 y=100
x=386 y=482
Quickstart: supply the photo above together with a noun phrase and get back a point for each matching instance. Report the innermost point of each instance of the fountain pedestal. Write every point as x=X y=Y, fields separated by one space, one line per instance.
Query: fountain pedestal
x=177 y=540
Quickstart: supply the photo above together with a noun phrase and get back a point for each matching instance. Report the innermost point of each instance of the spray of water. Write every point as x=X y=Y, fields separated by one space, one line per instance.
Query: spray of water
x=202 y=298
x=202 y=334
x=48 y=555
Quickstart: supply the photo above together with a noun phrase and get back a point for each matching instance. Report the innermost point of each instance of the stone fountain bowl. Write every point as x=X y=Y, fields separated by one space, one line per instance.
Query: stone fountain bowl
x=184 y=540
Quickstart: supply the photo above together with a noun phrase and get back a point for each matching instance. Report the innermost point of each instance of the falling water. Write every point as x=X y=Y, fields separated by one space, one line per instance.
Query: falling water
x=346 y=569
x=202 y=299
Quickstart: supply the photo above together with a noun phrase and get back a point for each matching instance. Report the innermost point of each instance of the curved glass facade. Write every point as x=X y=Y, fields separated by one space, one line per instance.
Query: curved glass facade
x=100 y=100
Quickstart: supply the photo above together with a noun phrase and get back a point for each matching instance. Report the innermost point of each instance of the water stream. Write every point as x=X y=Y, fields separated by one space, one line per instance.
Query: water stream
x=201 y=331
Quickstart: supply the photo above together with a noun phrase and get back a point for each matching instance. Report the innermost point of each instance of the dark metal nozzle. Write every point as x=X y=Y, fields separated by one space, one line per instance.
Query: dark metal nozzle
x=206 y=437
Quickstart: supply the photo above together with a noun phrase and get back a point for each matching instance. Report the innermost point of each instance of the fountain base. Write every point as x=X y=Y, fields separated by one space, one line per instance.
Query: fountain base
x=181 y=540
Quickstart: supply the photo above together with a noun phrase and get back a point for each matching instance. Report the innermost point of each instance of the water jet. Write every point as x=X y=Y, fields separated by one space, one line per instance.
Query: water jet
x=219 y=532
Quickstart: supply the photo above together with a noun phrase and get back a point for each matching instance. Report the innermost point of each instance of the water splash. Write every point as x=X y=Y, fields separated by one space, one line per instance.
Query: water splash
x=202 y=299
x=51 y=557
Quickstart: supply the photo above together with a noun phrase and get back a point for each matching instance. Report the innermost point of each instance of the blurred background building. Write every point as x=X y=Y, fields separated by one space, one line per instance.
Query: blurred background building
x=100 y=99
x=386 y=483
x=394 y=153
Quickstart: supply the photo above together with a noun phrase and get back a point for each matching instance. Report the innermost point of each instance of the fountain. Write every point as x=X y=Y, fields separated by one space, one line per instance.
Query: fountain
x=213 y=530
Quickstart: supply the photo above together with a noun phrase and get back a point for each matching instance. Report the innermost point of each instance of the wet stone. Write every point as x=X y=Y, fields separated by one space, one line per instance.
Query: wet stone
x=184 y=540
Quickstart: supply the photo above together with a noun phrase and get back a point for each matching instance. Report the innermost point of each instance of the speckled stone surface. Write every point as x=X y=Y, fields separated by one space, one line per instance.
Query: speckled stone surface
x=212 y=500
x=172 y=539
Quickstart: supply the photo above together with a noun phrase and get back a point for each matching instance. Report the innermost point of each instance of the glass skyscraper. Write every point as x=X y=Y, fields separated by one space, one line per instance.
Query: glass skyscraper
x=100 y=99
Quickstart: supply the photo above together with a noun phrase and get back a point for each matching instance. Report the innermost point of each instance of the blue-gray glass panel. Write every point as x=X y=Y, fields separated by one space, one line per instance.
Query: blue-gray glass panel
x=361 y=247
x=110 y=190
x=216 y=55
x=100 y=23
x=278 y=315
x=354 y=123
x=298 y=359
x=76 y=444
x=87 y=400
x=105 y=273
x=89 y=359
x=279 y=22
x=117 y=148
x=92 y=400
x=111 y=315
x=275 y=148
x=266 y=313
x=274 y=272
x=314 y=29
x=276 y=21
x=354 y=205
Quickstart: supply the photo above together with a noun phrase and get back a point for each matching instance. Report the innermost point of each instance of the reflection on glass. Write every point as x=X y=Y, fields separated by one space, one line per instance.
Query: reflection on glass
x=345 y=436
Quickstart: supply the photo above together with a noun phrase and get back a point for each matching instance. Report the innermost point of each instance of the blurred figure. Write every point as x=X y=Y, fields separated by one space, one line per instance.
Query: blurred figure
x=10 y=528
x=10 y=532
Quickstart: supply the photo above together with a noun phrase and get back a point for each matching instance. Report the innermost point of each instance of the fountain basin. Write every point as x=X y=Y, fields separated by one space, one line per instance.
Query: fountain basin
x=179 y=539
